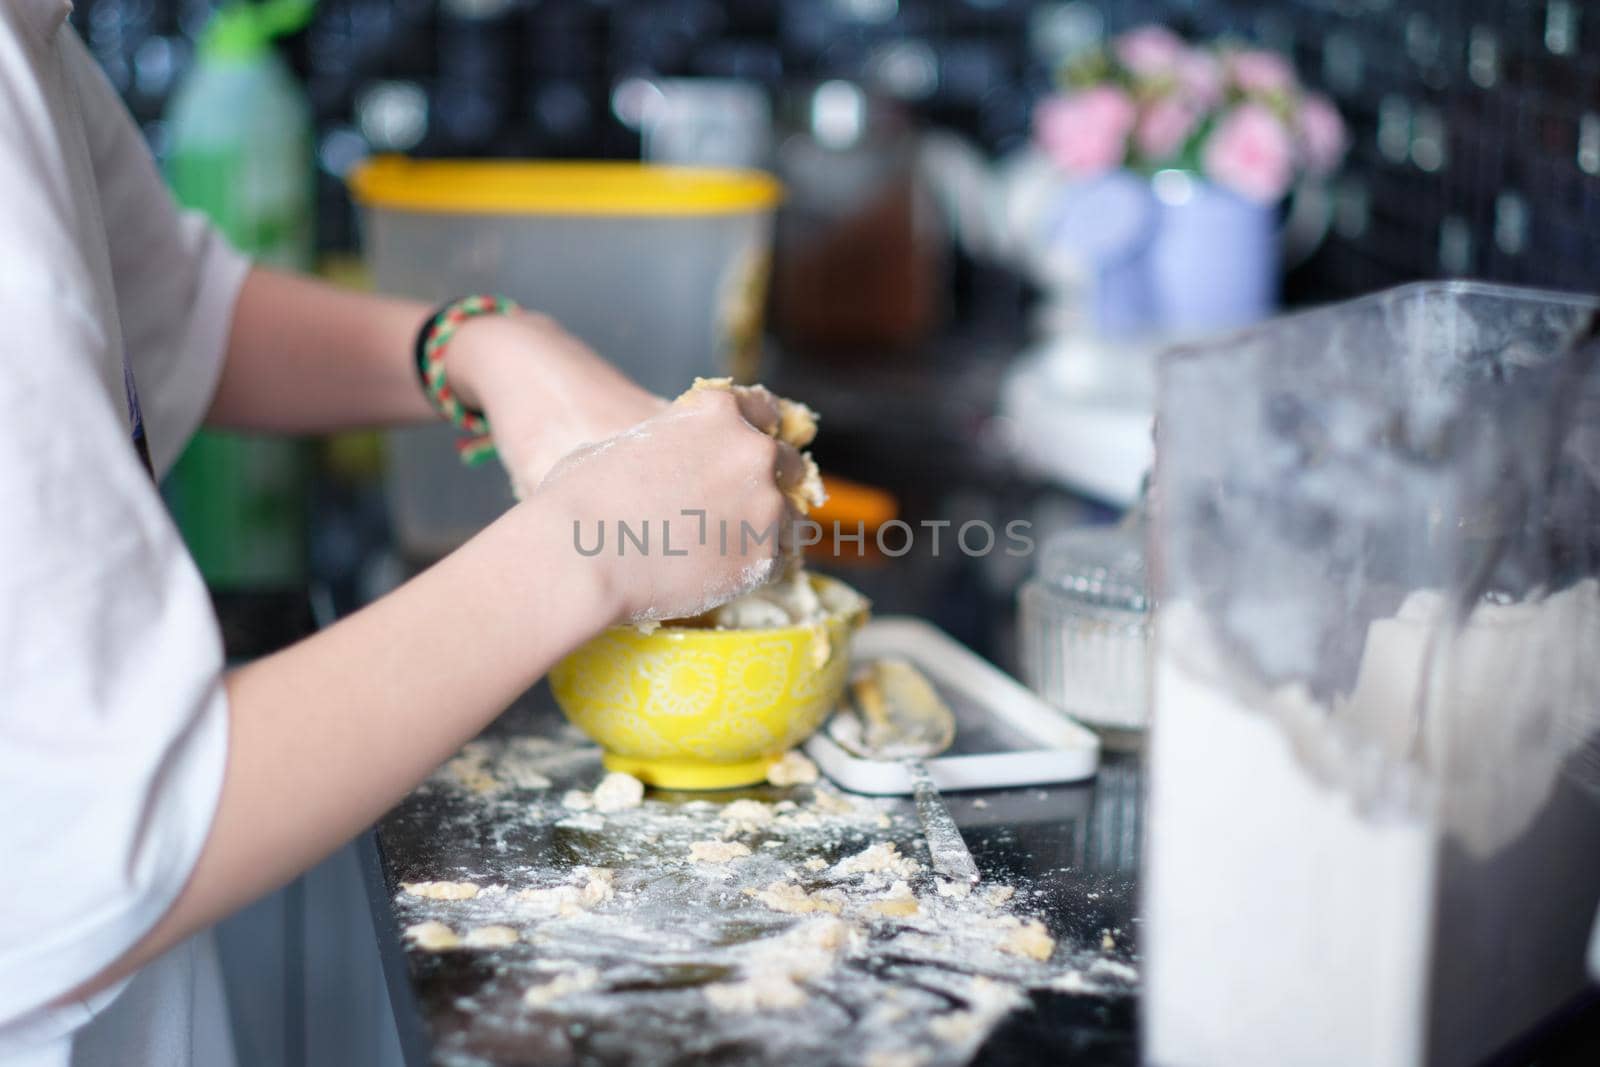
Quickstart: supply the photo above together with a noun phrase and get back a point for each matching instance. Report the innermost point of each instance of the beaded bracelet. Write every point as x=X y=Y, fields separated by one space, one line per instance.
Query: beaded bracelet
x=477 y=447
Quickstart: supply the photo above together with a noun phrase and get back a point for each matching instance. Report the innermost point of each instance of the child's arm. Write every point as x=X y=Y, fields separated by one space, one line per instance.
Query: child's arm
x=329 y=733
x=305 y=357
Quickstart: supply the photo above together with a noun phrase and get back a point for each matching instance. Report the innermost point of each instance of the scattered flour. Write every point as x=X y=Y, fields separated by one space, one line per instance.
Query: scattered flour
x=997 y=895
x=772 y=943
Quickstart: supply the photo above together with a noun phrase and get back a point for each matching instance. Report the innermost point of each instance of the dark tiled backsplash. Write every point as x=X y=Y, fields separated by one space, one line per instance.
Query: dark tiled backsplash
x=1476 y=122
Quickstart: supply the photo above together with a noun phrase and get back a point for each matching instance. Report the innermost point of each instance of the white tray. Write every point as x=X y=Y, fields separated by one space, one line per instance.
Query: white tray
x=1005 y=735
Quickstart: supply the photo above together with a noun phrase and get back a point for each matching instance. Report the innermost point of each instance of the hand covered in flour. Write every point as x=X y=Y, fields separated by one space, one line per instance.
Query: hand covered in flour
x=544 y=391
x=683 y=512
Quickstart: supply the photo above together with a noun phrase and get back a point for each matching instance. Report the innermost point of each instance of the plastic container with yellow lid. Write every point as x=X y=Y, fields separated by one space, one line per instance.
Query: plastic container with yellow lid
x=663 y=270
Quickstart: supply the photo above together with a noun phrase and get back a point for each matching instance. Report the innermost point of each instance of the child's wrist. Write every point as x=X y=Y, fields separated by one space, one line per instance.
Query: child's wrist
x=566 y=532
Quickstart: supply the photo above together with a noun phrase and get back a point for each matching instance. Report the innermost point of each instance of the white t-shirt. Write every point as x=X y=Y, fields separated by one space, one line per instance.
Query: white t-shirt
x=113 y=719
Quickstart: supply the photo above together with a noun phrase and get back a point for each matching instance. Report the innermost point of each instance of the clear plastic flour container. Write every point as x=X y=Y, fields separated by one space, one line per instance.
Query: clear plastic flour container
x=1376 y=562
x=663 y=270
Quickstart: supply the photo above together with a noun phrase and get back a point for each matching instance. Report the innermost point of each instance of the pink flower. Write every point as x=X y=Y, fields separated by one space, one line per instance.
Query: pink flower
x=1259 y=71
x=1149 y=51
x=1322 y=134
x=1164 y=127
x=1251 y=153
x=1085 y=132
x=1200 y=79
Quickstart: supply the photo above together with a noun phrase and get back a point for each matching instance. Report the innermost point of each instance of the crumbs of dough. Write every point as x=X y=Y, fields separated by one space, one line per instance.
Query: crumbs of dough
x=955 y=890
x=1027 y=938
x=881 y=858
x=717 y=851
x=441 y=890
x=764 y=992
x=618 y=792
x=792 y=768
x=815 y=863
x=580 y=980
x=896 y=1058
x=793 y=900
x=593 y=887
x=828 y=802
x=432 y=936
x=495 y=936
x=746 y=816
x=898 y=903
x=997 y=895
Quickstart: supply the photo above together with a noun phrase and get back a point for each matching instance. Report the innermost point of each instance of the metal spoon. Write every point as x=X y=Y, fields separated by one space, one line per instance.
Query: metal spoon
x=894 y=713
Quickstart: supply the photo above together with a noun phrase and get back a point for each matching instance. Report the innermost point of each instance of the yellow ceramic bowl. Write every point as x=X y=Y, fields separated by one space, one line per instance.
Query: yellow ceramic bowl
x=696 y=708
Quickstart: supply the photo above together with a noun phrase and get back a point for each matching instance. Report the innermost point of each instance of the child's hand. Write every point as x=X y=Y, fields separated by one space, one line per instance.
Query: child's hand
x=701 y=492
x=544 y=391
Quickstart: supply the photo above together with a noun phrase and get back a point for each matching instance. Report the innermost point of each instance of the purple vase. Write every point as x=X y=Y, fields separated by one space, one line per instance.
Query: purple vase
x=1213 y=262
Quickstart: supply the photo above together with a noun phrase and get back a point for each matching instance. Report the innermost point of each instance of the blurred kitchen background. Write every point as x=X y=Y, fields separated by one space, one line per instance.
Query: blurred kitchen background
x=1473 y=150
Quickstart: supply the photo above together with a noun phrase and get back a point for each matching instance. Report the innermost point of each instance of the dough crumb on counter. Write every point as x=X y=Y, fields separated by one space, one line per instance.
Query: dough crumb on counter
x=815 y=863
x=1027 y=938
x=898 y=903
x=432 y=936
x=577 y=800
x=618 y=792
x=829 y=802
x=997 y=895
x=792 y=768
x=882 y=858
x=717 y=851
x=494 y=936
x=763 y=992
x=599 y=886
x=793 y=900
x=747 y=816
x=593 y=886
x=954 y=890
x=441 y=890
x=580 y=980
x=897 y=1058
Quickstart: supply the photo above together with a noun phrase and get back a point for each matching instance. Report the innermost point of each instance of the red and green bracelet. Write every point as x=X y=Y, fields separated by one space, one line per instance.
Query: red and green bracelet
x=477 y=447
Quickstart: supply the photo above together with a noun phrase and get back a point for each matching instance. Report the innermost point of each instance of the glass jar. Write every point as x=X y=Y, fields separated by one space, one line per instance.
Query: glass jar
x=1084 y=628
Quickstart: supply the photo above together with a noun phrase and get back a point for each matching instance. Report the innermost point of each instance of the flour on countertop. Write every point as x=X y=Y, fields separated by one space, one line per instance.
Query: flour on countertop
x=823 y=935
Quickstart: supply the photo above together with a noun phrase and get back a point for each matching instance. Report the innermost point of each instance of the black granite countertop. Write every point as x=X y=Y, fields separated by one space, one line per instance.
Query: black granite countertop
x=1071 y=851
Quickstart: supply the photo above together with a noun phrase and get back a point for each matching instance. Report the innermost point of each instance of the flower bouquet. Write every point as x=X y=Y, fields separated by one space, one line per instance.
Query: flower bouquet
x=1153 y=199
x=1149 y=101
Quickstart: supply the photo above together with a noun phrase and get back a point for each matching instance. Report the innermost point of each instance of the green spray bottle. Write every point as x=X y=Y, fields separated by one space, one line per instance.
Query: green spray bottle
x=240 y=152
